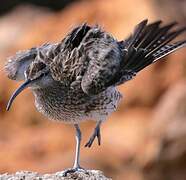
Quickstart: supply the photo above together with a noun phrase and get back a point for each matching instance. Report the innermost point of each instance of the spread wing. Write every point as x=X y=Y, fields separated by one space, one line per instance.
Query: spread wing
x=94 y=60
x=148 y=44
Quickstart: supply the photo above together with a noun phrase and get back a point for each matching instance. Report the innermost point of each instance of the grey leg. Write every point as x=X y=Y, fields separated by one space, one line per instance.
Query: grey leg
x=95 y=134
x=78 y=143
x=76 y=166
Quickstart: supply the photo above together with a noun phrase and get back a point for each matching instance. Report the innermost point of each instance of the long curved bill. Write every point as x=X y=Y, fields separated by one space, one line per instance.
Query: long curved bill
x=17 y=92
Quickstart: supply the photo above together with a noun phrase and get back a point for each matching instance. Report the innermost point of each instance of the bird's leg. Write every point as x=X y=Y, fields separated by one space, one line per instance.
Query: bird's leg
x=78 y=143
x=95 y=134
x=76 y=166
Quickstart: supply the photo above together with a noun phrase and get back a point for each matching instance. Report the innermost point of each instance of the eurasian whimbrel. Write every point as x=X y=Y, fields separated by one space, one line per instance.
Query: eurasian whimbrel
x=75 y=79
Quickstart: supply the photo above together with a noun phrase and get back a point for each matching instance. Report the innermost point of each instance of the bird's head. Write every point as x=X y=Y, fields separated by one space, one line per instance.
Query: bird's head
x=36 y=75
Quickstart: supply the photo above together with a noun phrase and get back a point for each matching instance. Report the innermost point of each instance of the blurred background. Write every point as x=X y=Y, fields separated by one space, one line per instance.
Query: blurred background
x=144 y=140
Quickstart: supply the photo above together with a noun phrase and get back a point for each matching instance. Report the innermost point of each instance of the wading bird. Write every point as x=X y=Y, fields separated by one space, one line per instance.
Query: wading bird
x=75 y=80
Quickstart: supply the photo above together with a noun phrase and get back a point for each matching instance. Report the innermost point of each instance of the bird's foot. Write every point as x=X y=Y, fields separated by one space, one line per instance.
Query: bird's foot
x=93 y=136
x=70 y=171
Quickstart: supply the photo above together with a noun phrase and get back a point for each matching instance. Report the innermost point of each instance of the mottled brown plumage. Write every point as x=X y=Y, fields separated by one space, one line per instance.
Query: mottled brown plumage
x=76 y=79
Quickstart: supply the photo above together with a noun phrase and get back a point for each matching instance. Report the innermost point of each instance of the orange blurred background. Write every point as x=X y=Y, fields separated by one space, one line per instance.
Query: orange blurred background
x=144 y=139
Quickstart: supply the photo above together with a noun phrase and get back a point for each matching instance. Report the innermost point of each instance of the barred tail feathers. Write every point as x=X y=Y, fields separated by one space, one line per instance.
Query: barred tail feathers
x=158 y=55
x=149 y=44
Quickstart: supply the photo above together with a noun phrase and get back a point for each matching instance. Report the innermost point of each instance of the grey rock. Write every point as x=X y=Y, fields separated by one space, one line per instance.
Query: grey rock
x=79 y=175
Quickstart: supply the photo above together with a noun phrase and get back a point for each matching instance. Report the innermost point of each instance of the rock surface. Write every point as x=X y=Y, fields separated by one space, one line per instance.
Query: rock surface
x=27 y=175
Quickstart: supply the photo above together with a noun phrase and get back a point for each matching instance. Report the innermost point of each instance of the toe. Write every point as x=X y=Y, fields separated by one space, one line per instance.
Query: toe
x=89 y=143
x=98 y=137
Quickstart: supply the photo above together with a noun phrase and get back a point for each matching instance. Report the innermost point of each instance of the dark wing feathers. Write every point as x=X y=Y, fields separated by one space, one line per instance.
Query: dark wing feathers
x=74 y=38
x=167 y=49
x=151 y=45
x=155 y=36
x=136 y=35
x=69 y=60
x=147 y=34
x=164 y=39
